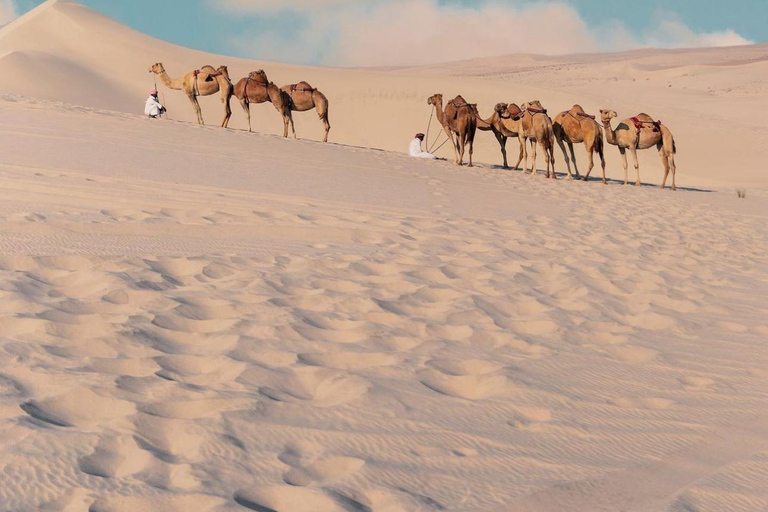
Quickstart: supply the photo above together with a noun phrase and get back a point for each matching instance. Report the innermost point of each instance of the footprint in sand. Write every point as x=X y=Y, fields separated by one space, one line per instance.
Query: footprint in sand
x=468 y=379
x=309 y=468
x=530 y=417
x=632 y=355
x=696 y=383
x=288 y=498
x=349 y=360
x=318 y=387
x=78 y=407
x=115 y=457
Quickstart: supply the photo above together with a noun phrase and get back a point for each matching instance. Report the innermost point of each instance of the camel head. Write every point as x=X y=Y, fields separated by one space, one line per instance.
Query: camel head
x=607 y=115
x=223 y=70
x=500 y=108
x=435 y=100
x=157 y=68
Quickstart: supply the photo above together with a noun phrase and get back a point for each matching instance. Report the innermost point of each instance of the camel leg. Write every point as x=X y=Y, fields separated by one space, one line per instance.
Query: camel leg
x=534 y=170
x=575 y=165
x=247 y=109
x=590 y=163
x=623 y=152
x=293 y=126
x=461 y=138
x=673 y=168
x=503 y=145
x=286 y=124
x=227 y=109
x=454 y=143
x=326 y=124
x=602 y=163
x=471 y=148
x=520 y=155
x=565 y=155
x=633 y=150
x=664 y=162
x=549 y=155
x=198 y=110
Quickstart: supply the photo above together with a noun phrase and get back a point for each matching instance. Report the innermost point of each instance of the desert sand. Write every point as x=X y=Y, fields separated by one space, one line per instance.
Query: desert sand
x=194 y=318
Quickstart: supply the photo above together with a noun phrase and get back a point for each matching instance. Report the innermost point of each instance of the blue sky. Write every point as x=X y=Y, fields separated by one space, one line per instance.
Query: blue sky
x=354 y=32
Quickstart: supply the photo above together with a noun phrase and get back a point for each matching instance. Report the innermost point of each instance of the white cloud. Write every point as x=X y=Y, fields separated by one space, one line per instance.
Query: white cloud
x=673 y=33
x=8 y=11
x=413 y=32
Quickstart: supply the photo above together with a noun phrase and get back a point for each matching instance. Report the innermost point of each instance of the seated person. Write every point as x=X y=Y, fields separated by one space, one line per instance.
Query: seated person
x=415 y=148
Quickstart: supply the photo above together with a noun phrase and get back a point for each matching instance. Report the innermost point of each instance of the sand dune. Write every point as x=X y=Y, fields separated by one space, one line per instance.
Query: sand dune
x=194 y=318
x=259 y=337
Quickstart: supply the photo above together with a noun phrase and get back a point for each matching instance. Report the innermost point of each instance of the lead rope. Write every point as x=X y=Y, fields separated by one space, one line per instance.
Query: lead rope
x=432 y=113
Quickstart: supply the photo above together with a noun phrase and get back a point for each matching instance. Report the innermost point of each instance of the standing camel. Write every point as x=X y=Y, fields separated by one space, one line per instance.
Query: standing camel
x=256 y=88
x=504 y=124
x=641 y=132
x=575 y=126
x=200 y=82
x=537 y=127
x=458 y=118
x=303 y=97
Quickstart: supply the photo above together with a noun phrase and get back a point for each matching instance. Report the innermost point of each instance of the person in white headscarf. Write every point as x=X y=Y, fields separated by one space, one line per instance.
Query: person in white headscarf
x=415 y=148
x=153 y=108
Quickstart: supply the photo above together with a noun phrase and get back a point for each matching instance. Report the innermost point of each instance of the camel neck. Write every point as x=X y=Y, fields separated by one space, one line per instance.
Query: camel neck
x=440 y=114
x=610 y=135
x=170 y=82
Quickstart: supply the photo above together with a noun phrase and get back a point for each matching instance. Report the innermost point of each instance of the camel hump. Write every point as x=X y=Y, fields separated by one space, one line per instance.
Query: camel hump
x=514 y=108
x=535 y=104
x=644 y=117
x=259 y=76
x=576 y=109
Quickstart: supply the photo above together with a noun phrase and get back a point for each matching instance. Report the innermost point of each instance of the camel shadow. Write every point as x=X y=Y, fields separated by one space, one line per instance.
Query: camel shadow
x=611 y=181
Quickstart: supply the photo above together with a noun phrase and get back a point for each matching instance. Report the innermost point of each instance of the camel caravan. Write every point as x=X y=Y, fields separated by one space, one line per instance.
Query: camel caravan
x=531 y=123
x=255 y=88
x=460 y=120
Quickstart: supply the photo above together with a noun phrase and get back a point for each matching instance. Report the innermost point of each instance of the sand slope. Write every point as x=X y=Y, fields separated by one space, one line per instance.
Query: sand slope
x=65 y=52
x=238 y=322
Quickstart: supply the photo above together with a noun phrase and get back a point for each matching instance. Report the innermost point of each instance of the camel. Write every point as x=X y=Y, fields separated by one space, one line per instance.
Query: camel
x=504 y=125
x=303 y=97
x=256 y=88
x=641 y=132
x=459 y=118
x=537 y=127
x=202 y=82
x=575 y=126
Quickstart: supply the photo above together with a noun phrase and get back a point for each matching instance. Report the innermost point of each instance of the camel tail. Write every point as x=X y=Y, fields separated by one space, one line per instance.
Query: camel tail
x=321 y=104
x=600 y=144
